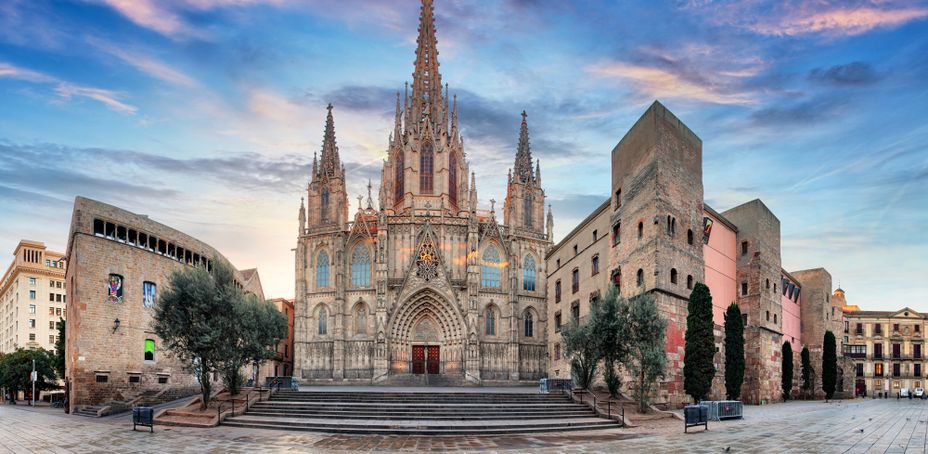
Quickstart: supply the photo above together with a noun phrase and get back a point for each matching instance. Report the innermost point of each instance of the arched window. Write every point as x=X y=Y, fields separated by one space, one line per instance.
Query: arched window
x=673 y=275
x=527 y=209
x=426 y=167
x=491 y=321
x=324 y=205
x=528 y=273
x=149 y=349
x=689 y=236
x=361 y=267
x=640 y=278
x=640 y=230
x=360 y=319
x=529 y=324
x=489 y=269
x=323 y=321
x=689 y=281
x=453 y=179
x=399 y=188
x=322 y=270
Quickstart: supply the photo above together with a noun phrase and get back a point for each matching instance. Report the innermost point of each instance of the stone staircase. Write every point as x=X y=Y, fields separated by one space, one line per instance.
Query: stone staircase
x=420 y=413
x=92 y=411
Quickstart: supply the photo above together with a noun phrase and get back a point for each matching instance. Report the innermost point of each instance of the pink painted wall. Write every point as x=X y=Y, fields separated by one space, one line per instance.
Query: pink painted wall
x=721 y=268
x=791 y=319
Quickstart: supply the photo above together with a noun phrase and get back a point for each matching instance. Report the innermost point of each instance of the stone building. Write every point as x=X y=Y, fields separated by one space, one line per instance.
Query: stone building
x=282 y=364
x=663 y=239
x=32 y=298
x=886 y=347
x=118 y=262
x=424 y=287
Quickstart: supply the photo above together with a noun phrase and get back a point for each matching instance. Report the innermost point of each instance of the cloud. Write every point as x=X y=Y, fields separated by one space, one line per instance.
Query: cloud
x=853 y=74
x=841 y=21
x=653 y=82
x=804 y=113
x=67 y=90
x=145 y=64
x=151 y=14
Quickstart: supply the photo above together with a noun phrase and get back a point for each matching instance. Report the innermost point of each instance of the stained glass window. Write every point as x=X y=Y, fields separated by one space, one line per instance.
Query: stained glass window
x=361 y=267
x=489 y=270
x=322 y=270
x=528 y=273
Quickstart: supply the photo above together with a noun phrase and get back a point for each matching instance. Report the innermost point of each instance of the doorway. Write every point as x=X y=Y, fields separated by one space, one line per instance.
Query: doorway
x=426 y=359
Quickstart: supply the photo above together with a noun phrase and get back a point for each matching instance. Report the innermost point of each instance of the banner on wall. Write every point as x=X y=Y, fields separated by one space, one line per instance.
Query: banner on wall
x=706 y=228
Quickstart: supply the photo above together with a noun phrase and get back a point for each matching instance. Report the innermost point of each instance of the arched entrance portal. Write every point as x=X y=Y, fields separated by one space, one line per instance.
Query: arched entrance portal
x=427 y=336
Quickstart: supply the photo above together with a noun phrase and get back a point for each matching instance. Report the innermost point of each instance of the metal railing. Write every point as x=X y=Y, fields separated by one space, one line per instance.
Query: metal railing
x=610 y=403
x=245 y=402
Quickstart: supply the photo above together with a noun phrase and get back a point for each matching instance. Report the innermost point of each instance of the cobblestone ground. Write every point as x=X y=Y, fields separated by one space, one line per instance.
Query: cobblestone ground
x=853 y=426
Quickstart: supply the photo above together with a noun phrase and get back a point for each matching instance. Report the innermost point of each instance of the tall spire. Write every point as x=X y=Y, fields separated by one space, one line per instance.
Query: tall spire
x=331 y=165
x=523 y=167
x=550 y=224
x=454 y=118
x=397 y=122
x=426 y=80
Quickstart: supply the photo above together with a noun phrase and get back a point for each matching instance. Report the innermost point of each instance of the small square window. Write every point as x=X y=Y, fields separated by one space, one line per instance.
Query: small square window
x=162 y=380
x=744 y=248
x=32 y=336
x=135 y=379
x=102 y=378
x=31 y=281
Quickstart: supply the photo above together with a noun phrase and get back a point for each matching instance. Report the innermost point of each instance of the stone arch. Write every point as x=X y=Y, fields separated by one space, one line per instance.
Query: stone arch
x=321 y=327
x=360 y=320
x=529 y=314
x=428 y=310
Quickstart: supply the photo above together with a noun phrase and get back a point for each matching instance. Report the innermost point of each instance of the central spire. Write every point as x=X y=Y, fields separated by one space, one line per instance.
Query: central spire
x=426 y=80
x=330 y=161
x=523 y=168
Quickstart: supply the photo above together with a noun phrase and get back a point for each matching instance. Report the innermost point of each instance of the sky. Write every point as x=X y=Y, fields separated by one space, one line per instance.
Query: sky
x=205 y=114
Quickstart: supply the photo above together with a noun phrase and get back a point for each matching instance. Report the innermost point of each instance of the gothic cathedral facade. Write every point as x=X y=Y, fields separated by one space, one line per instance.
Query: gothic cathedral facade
x=426 y=287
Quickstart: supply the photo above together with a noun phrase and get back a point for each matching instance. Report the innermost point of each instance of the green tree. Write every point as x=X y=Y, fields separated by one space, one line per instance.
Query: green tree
x=582 y=347
x=698 y=367
x=16 y=370
x=808 y=373
x=59 y=349
x=645 y=337
x=786 y=378
x=609 y=319
x=253 y=332
x=191 y=318
x=734 y=352
x=829 y=365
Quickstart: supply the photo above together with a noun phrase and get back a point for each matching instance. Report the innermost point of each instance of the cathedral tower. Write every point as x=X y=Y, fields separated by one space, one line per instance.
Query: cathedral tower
x=426 y=168
x=327 y=197
x=525 y=200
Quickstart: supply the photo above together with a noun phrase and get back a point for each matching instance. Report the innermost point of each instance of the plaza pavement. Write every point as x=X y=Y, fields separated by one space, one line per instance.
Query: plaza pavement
x=890 y=426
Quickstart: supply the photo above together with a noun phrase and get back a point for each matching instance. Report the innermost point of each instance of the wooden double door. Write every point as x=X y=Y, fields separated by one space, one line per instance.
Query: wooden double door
x=426 y=359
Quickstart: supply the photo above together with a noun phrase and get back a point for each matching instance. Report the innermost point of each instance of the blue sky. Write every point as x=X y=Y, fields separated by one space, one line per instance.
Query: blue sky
x=204 y=114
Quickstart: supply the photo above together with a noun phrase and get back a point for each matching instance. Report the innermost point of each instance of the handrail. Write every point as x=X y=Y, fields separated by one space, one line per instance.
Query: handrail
x=609 y=402
x=247 y=399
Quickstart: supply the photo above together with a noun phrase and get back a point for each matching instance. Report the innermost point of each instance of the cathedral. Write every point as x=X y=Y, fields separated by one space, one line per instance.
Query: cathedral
x=424 y=287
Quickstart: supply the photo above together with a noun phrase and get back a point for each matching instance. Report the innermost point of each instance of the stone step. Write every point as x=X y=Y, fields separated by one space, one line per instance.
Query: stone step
x=416 y=398
x=579 y=413
x=421 y=426
x=476 y=406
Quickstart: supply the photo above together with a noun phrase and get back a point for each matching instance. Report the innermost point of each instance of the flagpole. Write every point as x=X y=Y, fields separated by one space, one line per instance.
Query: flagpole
x=33 y=382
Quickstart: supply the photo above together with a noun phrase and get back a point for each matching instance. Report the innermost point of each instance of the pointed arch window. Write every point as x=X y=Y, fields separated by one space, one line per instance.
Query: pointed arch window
x=361 y=267
x=322 y=270
x=453 y=180
x=360 y=319
x=323 y=322
x=426 y=168
x=324 y=204
x=528 y=273
x=399 y=183
x=529 y=324
x=527 y=209
x=489 y=269
x=491 y=321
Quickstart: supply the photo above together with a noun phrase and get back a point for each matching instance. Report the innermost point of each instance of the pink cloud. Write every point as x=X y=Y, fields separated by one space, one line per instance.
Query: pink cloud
x=651 y=82
x=838 y=21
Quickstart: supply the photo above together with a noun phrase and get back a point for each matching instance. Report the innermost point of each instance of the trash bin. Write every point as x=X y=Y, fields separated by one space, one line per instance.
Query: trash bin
x=695 y=415
x=143 y=416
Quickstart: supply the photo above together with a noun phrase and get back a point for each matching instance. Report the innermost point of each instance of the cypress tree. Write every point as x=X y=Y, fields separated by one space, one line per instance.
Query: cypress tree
x=734 y=352
x=698 y=367
x=829 y=365
x=807 y=371
x=786 y=379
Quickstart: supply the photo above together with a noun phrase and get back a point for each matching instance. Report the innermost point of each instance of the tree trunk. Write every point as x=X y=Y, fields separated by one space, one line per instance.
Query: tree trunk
x=205 y=386
x=641 y=391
